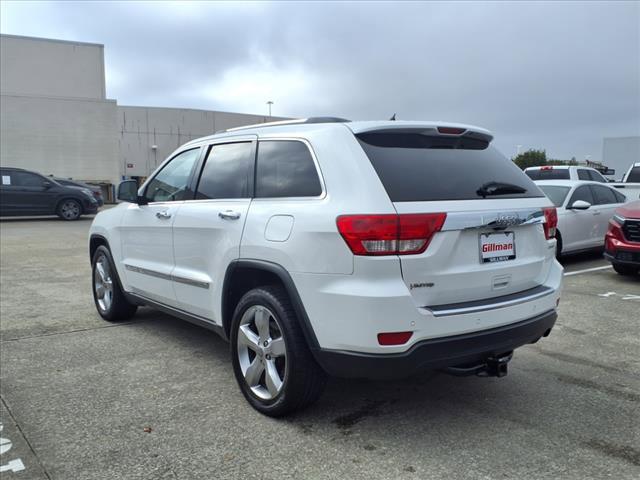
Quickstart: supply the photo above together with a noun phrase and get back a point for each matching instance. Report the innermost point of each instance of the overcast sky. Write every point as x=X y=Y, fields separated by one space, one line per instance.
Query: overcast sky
x=558 y=76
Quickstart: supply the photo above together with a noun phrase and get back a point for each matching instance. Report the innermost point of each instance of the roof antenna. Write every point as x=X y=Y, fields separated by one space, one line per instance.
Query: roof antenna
x=393 y=118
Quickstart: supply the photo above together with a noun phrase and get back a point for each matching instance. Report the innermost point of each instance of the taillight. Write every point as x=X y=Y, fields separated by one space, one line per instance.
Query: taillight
x=391 y=234
x=546 y=168
x=550 y=222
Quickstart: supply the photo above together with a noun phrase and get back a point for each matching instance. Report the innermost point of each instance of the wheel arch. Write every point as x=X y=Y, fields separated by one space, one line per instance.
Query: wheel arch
x=558 y=243
x=245 y=274
x=95 y=240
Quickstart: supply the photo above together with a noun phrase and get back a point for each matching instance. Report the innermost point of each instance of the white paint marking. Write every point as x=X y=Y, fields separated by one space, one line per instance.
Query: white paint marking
x=595 y=269
x=608 y=294
x=5 y=445
x=13 y=466
x=631 y=297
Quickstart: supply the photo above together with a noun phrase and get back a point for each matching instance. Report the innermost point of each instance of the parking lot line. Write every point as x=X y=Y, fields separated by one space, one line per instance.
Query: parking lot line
x=586 y=270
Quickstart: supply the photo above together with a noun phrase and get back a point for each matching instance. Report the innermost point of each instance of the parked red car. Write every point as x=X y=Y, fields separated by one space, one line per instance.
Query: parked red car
x=622 y=241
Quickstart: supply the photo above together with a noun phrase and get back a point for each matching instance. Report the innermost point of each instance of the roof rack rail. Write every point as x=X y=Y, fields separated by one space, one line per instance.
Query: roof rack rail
x=298 y=121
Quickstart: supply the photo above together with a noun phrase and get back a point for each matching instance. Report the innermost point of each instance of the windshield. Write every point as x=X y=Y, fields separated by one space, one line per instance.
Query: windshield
x=555 y=193
x=415 y=168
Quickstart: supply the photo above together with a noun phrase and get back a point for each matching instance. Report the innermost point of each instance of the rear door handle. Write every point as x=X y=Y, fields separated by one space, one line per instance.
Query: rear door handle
x=597 y=213
x=229 y=215
x=164 y=214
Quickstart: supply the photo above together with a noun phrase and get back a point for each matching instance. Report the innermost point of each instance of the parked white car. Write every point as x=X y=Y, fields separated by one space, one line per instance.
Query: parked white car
x=584 y=210
x=322 y=246
x=564 y=172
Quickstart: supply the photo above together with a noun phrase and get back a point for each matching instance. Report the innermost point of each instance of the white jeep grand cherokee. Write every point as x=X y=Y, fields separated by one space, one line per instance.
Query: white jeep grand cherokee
x=322 y=246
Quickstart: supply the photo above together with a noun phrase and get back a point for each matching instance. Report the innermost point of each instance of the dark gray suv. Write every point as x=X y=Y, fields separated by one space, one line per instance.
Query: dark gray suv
x=28 y=193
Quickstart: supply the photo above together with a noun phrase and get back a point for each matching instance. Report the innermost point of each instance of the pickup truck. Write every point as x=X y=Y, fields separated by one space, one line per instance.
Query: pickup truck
x=630 y=184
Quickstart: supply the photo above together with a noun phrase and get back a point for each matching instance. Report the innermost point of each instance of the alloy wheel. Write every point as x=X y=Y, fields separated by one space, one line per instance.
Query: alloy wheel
x=261 y=352
x=70 y=210
x=103 y=284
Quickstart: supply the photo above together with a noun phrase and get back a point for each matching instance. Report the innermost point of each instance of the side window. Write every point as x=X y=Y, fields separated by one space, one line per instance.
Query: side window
x=597 y=177
x=603 y=195
x=172 y=182
x=286 y=169
x=583 y=174
x=619 y=197
x=26 y=179
x=226 y=171
x=582 y=193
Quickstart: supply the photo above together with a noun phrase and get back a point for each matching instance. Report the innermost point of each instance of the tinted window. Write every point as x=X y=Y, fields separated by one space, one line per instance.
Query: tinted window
x=582 y=193
x=583 y=174
x=597 y=177
x=603 y=195
x=286 y=169
x=619 y=197
x=415 y=167
x=172 y=182
x=555 y=193
x=548 y=174
x=226 y=171
x=25 y=179
x=634 y=175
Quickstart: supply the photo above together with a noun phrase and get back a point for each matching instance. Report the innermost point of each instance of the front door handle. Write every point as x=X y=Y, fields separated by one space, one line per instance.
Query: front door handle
x=164 y=214
x=229 y=215
x=597 y=213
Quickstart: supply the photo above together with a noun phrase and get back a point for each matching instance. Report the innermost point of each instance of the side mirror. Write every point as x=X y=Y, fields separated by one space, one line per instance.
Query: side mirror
x=580 y=205
x=128 y=191
x=47 y=184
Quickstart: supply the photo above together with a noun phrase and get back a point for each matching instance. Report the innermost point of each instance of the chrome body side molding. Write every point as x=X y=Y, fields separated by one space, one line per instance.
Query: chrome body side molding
x=164 y=276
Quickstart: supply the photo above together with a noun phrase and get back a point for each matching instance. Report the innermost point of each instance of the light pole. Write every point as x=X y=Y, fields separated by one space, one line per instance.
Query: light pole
x=269 y=103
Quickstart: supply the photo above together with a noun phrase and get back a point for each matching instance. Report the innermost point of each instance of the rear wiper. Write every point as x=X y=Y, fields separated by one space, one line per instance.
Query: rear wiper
x=499 y=188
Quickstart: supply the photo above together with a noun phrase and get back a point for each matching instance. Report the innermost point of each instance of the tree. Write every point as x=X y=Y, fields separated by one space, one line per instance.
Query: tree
x=531 y=158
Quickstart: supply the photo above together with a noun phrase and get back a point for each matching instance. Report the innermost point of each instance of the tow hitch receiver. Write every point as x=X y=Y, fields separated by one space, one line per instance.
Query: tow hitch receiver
x=494 y=366
x=497 y=366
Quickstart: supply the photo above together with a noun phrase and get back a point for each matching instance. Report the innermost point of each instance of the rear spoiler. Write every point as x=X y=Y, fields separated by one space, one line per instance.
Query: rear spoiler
x=443 y=130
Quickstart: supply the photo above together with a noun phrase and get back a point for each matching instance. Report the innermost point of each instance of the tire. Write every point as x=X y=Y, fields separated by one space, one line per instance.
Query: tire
x=625 y=269
x=110 y=301
x=273 y=365
x=69 y=209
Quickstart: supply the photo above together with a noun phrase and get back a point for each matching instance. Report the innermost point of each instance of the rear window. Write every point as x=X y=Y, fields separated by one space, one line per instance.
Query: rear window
x=634 y=175
x=549 y=174
x=415 y=168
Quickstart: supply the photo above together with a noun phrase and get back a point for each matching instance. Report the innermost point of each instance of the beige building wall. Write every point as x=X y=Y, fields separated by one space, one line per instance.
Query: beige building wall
x=51 y=68
x=64 y=137
x=148 y=135
x=55 y=118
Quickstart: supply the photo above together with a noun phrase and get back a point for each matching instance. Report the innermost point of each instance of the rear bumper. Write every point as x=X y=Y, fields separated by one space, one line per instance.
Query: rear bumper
x=468 y=348
x=89 y=208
